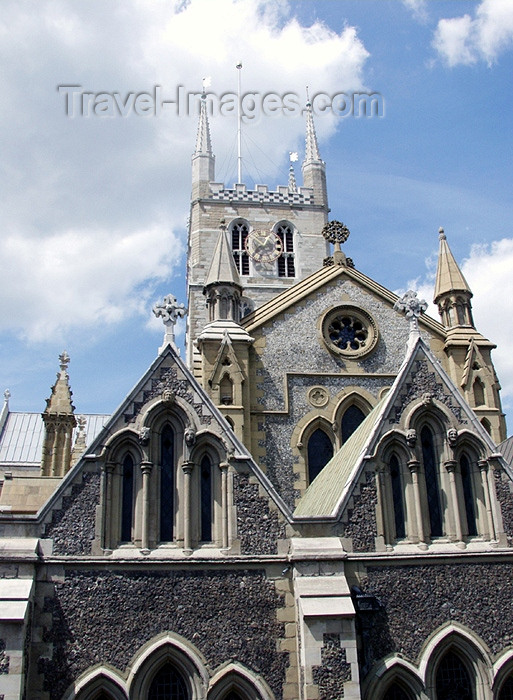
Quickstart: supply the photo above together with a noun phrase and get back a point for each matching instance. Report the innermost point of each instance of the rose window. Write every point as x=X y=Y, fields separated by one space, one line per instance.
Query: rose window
x=349 y=331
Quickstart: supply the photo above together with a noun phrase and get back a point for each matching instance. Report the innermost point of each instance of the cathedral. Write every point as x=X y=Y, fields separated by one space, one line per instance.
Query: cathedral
x=313 y=503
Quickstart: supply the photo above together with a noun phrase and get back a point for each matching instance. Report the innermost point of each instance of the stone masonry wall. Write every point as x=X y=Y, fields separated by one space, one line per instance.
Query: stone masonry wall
x=72 y=527
x=258 y=527
x=417 y=600
x=106 y=616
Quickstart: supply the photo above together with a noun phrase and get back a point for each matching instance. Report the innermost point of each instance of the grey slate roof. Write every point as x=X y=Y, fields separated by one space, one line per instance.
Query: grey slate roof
x=21 y=438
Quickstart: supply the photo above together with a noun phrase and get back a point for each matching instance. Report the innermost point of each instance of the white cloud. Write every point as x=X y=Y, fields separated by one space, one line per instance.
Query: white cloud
x=93 y=209
x=466 y=40
x=418 y=9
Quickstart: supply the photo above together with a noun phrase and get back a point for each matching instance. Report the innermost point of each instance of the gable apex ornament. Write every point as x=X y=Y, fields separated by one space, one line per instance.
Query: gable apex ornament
x=169 y=311
x=412 y=307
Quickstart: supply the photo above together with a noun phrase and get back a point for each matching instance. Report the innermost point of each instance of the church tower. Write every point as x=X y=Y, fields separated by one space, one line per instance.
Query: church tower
x=274 y=236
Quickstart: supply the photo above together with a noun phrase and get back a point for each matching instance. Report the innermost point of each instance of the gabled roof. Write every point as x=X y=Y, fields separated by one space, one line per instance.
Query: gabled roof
x=327 y=496
x=326 y=275
x=151 y=384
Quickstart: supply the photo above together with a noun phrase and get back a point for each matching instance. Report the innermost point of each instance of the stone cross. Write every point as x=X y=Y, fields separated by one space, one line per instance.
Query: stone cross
x=170 y=311
x=412 y=307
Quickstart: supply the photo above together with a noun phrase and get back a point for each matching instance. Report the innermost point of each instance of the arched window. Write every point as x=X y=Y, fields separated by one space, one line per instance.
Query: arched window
x=167 y=484
x=506 y=692
x=351 y=419
x=453 y=679
x=168 y=684
x=240 y=231
x=432 y=486
x=226 y=391
x=320 y=451
x=397 y=497
x=127 y=498
x=486 y=425
x=286 y=263
x=468 y=495
x=396 y=692
x=206 y=499
x=479 y=394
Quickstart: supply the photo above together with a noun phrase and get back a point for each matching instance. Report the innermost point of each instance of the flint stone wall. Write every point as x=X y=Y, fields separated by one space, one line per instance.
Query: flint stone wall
x=258 y=527
x=105 y=617
x=417 y=600
x=72 y=527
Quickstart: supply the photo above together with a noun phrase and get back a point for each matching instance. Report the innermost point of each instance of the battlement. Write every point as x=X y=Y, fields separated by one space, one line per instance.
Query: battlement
x=261 y=194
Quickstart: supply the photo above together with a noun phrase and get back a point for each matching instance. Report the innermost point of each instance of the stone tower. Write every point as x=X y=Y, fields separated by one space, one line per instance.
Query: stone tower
x=59 y=421
x=468 y=352
x=275 y=236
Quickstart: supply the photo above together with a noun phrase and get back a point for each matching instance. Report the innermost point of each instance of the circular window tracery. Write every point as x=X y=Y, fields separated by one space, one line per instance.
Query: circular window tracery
x=349 y=331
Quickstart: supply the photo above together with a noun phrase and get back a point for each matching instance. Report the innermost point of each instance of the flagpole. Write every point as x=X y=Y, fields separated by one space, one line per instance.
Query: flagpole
x=239 y=124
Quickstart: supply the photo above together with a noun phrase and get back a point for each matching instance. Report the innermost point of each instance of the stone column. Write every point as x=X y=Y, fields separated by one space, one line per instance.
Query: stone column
x=483 y=468
x=109 y=471
x=187 y=468
x=382 y=519
x=224 y=505
x=414 y=466
x=146 y=468
x=450 y=465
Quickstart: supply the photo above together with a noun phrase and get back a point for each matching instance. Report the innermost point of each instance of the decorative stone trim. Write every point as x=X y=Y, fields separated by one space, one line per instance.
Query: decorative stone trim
x=349 y=331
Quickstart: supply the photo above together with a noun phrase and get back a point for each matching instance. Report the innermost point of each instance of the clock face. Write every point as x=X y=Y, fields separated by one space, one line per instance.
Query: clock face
x=263 y=246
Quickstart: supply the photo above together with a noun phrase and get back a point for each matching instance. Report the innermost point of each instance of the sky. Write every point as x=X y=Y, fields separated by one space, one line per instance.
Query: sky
x=95 y=182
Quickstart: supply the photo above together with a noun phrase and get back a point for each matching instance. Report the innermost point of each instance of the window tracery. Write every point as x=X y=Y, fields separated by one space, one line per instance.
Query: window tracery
x=239 y=233
x=286 y=261
x=453 y=679
x=168 y=684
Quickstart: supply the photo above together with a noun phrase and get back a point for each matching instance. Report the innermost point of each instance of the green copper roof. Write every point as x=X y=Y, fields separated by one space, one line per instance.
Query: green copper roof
x=327 y=489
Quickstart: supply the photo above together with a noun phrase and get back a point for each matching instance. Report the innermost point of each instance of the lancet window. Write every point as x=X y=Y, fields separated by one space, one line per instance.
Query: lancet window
x=167 y=484
x=429 y=458
x=351 y=419
x=168 y=684
x=453 y=679
x=206 y=499
x=286 y=261
x=320 y=451
x=127 y=498
x=397 y=497
x=239 y=232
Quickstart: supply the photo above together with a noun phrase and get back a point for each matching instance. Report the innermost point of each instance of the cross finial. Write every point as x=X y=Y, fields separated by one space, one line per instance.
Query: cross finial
x=7 y=395
x=64 y=360
x=170 y=311
x=441 y=234
x=412 y=307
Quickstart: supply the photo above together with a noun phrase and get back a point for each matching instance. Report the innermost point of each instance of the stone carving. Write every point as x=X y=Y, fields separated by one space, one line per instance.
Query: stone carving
x=452 y=436
x=168 y=396
x=411 y=437
x=64 y=360
x=170 y=311
x=318 y=396
x=190 y=437
x=424 y=385
x=144 y=436
x=335 y=232
x=412 y=307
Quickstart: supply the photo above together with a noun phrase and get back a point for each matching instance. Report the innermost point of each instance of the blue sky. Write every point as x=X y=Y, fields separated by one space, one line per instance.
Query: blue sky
x=94 y=209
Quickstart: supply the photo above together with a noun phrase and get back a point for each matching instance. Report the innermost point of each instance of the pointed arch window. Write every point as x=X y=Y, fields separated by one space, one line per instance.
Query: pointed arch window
x=168 y=684
x=479 y=394
x=240 y=231
x=127 y=498
x=468 y=494
x=432 y=485
x=286 y=262
x=453 y=679
x=351 y=419
x=396 y=692
x=167 y=484
x=206 y=499
x=226 y=391
x=506 y=692
x=320 y=451
x=397 y=497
